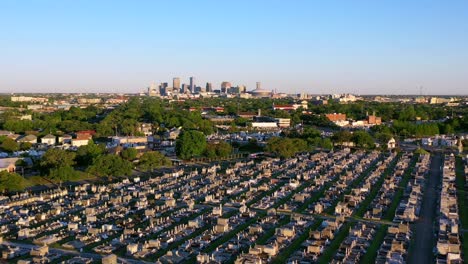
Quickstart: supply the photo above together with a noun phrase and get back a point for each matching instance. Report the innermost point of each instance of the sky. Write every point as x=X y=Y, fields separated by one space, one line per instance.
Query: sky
x=318 y=47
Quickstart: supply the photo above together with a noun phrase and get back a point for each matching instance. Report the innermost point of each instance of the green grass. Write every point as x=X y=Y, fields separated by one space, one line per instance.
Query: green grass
x=177 y=243
x=372 y=250
x=330 y=251
x=375 y=188
x=225 y=238
x=296 y=244
x=390 y=213
x=262 y=239
x=371 y=253
x=353 y=184
x=35 y=180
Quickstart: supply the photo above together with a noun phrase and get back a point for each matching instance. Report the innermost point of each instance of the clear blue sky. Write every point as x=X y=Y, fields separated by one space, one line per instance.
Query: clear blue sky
x=292 y=46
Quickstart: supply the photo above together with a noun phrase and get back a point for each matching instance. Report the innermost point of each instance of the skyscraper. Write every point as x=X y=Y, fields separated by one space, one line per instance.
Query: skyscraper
x=176 y=83
x=209 y=87
x=153 y=90
x=192 y=84
x=225 y=86
x=259 y=85
x=185 y=88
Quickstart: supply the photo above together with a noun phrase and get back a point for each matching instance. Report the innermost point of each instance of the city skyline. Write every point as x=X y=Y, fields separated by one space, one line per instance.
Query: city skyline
x=333 y=47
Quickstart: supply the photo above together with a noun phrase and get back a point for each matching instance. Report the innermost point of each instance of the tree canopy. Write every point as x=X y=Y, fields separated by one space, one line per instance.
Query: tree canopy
x=286 y=147
x=55 y=158
x=221 y=149
x=129 y=154
x=110 y=165
x=11 y=182
x=153 y=159
x=9 y=145
x=190 y=143
x=87 y=153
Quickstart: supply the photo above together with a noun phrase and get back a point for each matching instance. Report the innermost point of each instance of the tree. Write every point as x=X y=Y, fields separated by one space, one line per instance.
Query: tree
x=221 y=149
x=153 y=159
x=25 y=145
x=190 y=143
x=18 y=126
x=286 y=147
x=342 y=137
x=64 y=173
x=407 y=114
x=363 y=139
x=9 y=145
x=55 y=158
x=110 y=165
x=129 y=154
x=205 y=126
x=11 y=182
x=87 y=153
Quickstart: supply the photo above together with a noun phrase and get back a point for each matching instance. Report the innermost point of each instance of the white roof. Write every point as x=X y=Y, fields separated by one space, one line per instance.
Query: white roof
x=5 y=163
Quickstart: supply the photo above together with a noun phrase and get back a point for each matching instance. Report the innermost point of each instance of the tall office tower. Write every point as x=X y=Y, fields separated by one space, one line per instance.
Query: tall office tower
x=209 y=87
x=185 y=88
x=153 y=90
x=176 y=83
x=259 y=85
x=225 y=86
x=192 y=84
x=241 y=88
x=198 y=89
x=163 y=88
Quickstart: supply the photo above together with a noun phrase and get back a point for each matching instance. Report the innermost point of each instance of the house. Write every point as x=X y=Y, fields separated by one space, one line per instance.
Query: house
x=5 y=133
x=146 y=129
x=427 y=141
x=48 y=139
x=336 y=117
x=81 y=141
x=391 y=144
x=28 y=139
x=173 y=133
x=222 y=225
x=284 y=107
x=131 y=141
x=82 y=138
x=65 y=139
x=283 y=122
x=8 y=164
x=292 y=107
x=110 y=259
x=374 y=120
x=40 y=251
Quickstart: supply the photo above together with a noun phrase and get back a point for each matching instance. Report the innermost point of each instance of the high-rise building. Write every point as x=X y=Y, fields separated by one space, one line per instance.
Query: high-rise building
x=198 y=89
x=209 y=87
x=192 y=84
x=242 y=88
x=185 y=88
x=176 y=83
x=153 y=90
x=259 y=85
x=225 y=86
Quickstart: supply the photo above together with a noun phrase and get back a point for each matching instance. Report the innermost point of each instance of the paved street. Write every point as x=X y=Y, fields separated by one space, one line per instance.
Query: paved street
x=421 y=251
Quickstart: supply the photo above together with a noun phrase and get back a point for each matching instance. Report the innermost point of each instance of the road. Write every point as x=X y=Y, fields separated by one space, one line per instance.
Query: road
x=421 y=250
